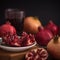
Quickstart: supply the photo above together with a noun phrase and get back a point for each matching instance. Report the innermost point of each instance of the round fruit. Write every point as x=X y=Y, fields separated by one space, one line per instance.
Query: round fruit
x=43 y=36
x=52 y=27
x=7 y=28
x=37 y=54
x=53 y=47
x=31 y=24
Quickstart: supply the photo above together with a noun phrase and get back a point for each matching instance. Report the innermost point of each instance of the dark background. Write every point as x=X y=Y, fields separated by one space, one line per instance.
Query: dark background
x=44 y=10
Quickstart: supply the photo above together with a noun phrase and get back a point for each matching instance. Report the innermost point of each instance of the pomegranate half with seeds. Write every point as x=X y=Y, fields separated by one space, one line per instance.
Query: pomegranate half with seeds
x=11 y=40
x=27 y=39
x=23 y=40
x=37 y=54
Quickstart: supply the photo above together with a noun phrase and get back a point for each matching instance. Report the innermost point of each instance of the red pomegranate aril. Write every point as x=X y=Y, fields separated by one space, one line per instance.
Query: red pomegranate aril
x=15 y=44
x=27 y=39
x=13 y=40
x=31 y=36
x=30 y=54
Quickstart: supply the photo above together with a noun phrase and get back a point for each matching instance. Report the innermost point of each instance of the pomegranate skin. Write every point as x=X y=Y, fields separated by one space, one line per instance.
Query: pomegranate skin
x=43 y=36
x=52 y=27
x=7 y=28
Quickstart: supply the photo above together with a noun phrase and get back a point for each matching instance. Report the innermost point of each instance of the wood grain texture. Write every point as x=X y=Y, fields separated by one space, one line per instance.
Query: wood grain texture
x=6 y=55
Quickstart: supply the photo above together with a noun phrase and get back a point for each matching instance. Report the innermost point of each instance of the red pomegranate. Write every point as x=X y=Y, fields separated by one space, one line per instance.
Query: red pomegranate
x=27 y=39
x=7 y=27
x=11 y=40
x=52 y=27
x=37 y=54
x=21 y=41
x=43 y=36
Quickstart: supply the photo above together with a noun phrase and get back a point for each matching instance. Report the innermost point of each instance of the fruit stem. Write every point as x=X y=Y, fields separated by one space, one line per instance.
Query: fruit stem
x=56 y=38
x=8 y=22
x=35 y=17
x=40 y=28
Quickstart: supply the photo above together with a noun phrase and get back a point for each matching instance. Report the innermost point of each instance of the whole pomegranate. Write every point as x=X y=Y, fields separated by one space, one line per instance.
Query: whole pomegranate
x=31 y=24
x=43 y=36
x=7 y=27
x=52 y=27
x=53 y=47
x=37 y=54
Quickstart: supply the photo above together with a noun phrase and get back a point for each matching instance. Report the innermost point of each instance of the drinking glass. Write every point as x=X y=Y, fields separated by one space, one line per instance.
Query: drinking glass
x=16 y=18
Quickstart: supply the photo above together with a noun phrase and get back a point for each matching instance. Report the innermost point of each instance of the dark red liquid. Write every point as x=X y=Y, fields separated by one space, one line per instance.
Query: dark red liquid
x=16 y=17
x=18 y=24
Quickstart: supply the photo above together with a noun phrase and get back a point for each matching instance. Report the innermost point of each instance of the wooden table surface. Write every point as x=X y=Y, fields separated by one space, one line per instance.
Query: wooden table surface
x=6 y=55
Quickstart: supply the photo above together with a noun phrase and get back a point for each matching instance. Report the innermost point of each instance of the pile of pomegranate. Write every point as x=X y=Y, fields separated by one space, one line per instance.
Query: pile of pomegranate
x=43 y=34
x=10 y=37
x=46 y=33
x=15 y=40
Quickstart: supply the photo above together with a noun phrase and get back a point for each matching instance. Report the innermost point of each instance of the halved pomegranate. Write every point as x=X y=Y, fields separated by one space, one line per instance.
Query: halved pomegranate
x=11 y=40
x=37 y=54
x=27 y=39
